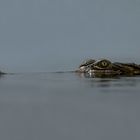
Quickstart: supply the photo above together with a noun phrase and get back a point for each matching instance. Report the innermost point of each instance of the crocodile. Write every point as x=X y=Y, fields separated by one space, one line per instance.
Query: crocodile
x=104 y=67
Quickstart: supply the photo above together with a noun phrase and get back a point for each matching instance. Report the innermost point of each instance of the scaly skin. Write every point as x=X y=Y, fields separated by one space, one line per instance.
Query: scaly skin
x=106 y=67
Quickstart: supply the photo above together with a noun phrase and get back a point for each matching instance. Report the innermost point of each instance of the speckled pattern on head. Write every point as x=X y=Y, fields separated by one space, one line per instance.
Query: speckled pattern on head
x=106 y=67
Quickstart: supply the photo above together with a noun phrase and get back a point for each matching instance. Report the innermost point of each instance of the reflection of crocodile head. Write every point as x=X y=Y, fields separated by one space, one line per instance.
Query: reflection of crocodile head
x=105 y=67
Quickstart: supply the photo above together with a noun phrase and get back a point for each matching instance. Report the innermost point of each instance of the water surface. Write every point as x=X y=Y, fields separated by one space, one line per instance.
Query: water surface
x=67 y=106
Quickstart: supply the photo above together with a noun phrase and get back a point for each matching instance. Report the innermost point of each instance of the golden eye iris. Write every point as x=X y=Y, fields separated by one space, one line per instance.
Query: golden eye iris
x=104 y=63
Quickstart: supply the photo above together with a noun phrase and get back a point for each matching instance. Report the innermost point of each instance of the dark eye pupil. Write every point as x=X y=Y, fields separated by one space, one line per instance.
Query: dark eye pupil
x=104 y=64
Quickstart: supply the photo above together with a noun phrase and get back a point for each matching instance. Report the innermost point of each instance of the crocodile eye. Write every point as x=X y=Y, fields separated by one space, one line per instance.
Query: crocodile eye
x=104 y=63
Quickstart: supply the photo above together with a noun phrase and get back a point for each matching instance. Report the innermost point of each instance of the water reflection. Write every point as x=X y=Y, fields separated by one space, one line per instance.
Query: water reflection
x=97 y=75
x=109 y=80
x=2 y=76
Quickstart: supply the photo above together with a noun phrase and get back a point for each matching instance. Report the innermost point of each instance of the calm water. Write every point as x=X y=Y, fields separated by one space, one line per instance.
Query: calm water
x=66 y=106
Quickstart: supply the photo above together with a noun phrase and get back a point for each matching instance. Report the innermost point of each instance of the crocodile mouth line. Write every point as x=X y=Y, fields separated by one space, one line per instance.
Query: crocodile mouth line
x=103 y=71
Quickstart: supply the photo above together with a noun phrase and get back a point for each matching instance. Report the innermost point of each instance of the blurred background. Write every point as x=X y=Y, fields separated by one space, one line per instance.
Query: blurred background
x=54 y=35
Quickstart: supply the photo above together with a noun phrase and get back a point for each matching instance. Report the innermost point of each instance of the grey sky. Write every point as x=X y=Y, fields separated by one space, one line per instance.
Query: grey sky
x=49 y=35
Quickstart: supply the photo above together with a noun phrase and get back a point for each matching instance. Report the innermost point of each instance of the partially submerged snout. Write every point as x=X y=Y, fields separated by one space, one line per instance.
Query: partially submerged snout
x=85 y=66
x=2 y=73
